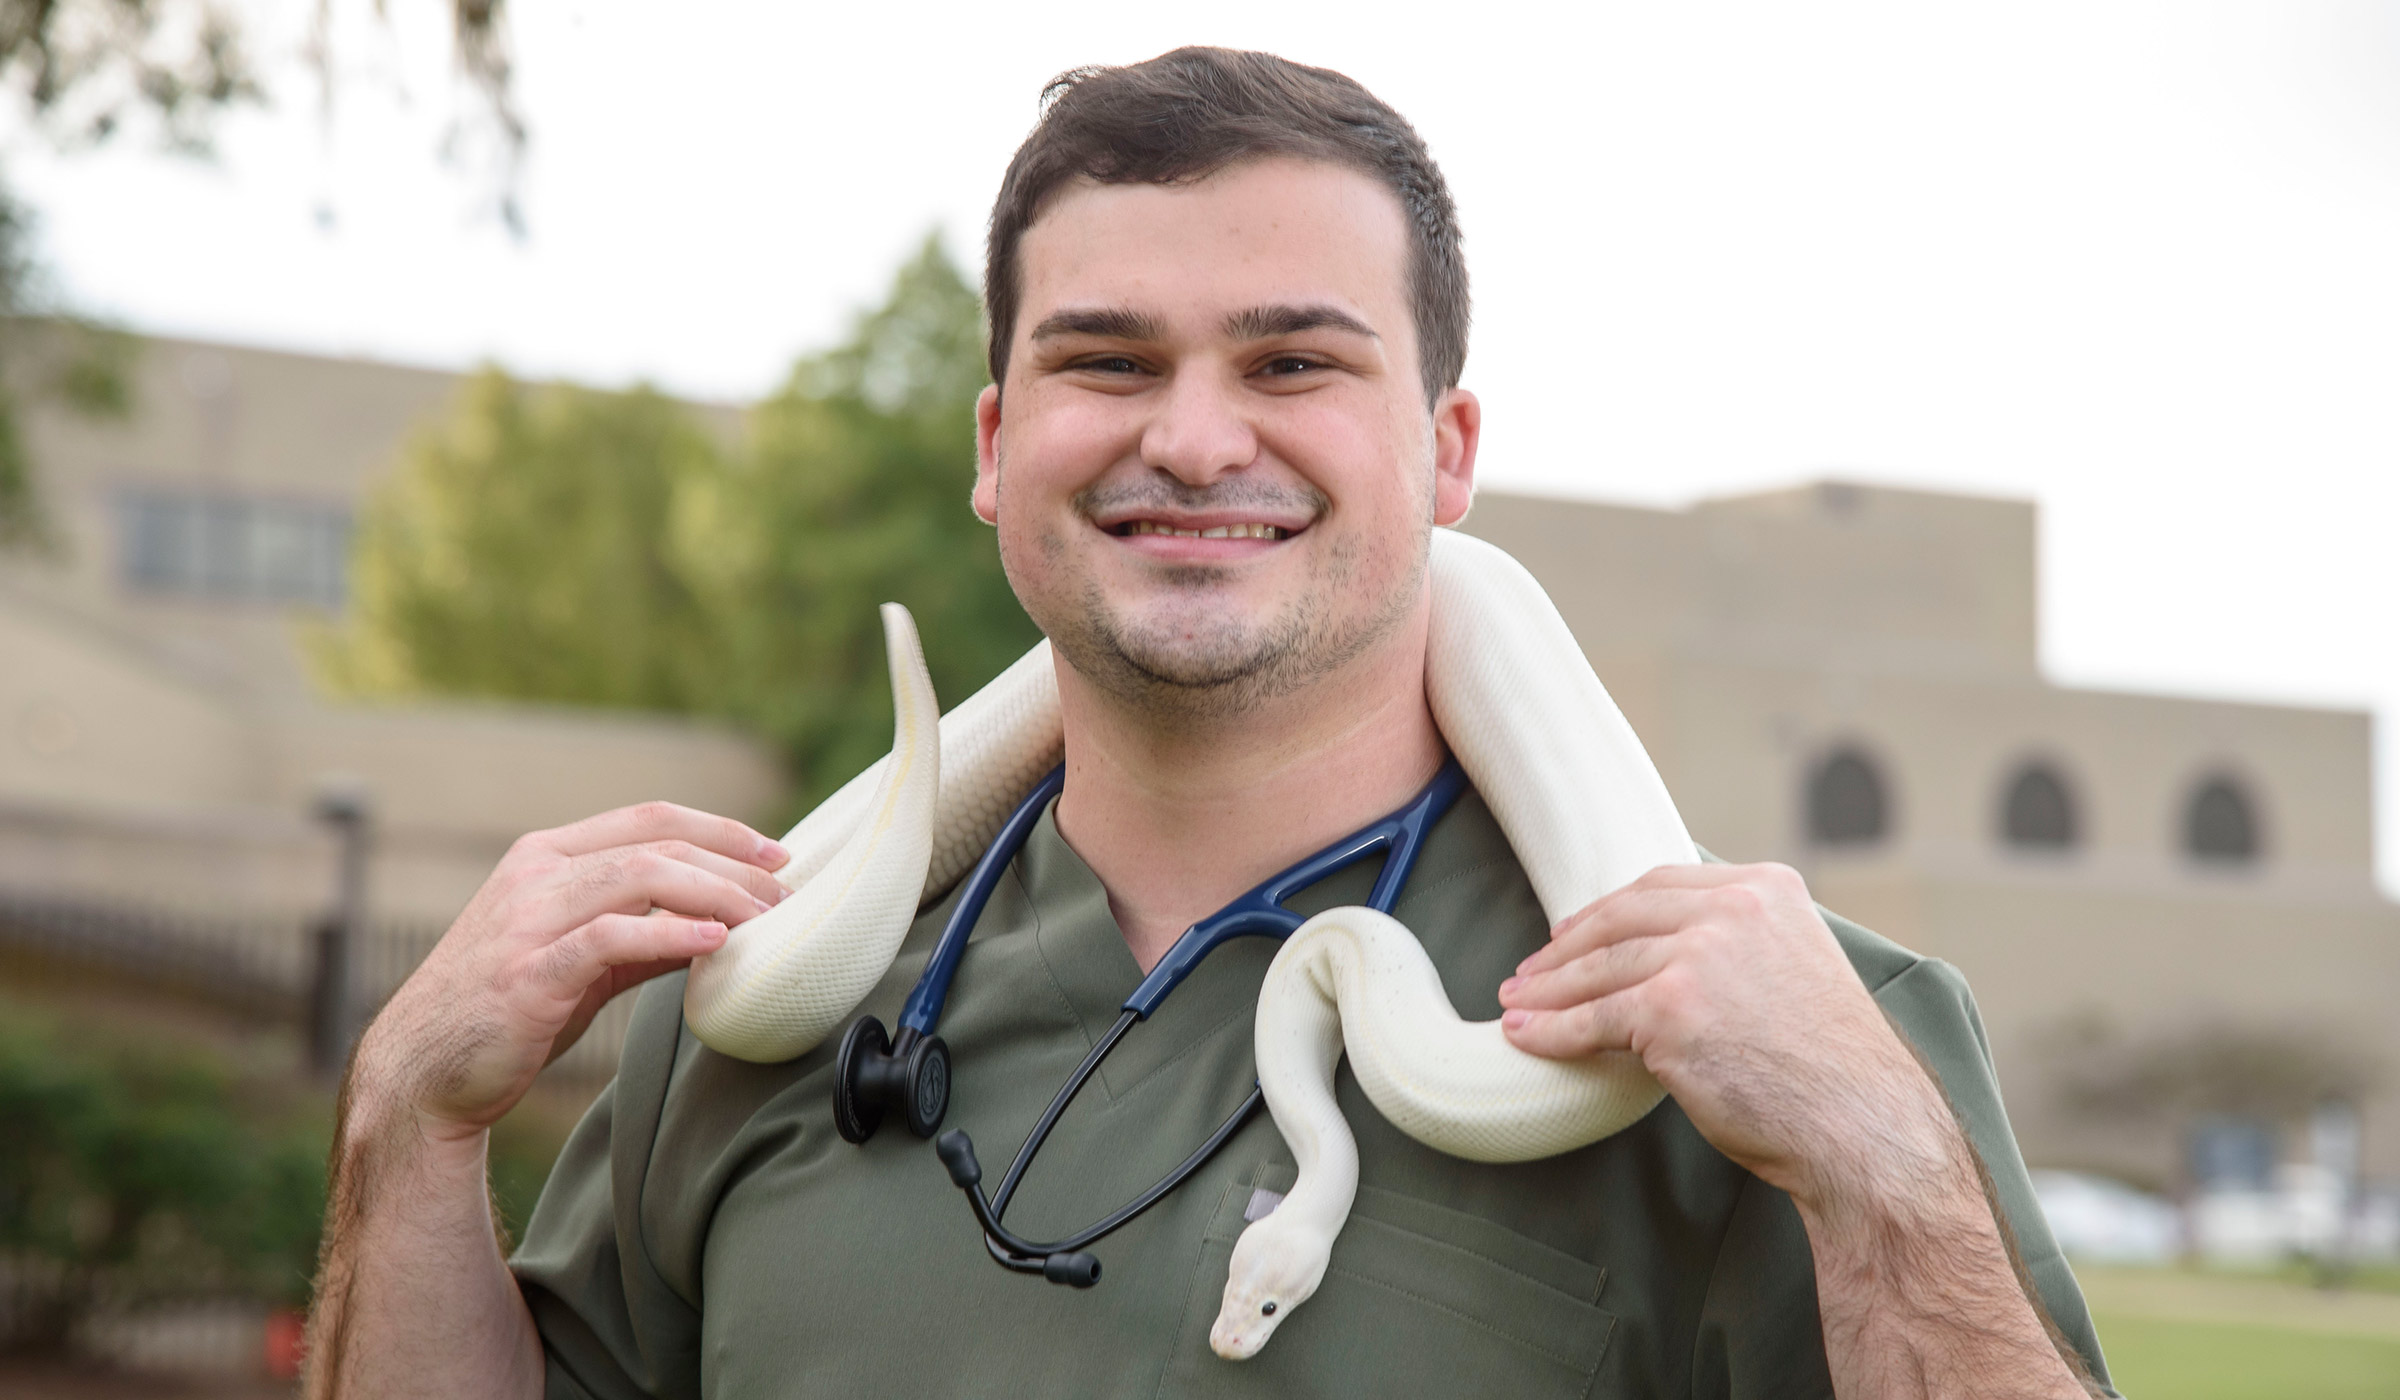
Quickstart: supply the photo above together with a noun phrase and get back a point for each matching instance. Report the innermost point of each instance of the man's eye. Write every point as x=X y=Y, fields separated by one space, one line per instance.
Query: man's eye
x=1289 y=364
x=1110 y=364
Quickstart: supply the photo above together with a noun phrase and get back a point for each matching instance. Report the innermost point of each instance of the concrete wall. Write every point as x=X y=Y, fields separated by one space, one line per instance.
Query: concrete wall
x=1747 y=638
x=1829 y=573
x=215 y=418
x=2047 y=950
x=1738 y=741
x=94 y=717
x=165 y=751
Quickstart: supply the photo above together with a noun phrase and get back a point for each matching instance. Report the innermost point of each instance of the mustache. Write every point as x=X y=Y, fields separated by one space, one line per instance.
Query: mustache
x=1157 y=492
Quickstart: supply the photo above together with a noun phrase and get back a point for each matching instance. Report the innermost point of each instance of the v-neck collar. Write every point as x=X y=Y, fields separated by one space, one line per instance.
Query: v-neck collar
x=1087 y=956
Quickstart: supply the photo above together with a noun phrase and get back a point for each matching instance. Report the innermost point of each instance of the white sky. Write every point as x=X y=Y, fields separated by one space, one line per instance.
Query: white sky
x=2140 y=262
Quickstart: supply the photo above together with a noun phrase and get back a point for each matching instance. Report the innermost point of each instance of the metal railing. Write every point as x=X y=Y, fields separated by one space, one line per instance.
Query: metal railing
x=261 y=964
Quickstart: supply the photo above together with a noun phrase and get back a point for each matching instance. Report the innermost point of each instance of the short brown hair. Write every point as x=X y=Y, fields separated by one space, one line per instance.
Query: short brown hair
x=1185 y=115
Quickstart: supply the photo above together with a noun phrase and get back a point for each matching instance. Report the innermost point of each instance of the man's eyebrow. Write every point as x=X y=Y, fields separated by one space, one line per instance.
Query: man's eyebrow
x=1267 y=322
x=1112 y=322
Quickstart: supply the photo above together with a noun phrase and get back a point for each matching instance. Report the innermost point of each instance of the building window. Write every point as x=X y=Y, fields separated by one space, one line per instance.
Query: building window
x=234 y=548
x=2038 y=813
x=1846 y=805
x=2220 y=825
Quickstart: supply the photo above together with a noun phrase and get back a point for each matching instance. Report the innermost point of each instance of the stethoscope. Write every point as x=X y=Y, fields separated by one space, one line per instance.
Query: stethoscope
x=911 y=1070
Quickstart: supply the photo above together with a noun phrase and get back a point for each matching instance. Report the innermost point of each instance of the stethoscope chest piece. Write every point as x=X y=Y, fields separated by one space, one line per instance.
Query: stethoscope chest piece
x=872 y=1072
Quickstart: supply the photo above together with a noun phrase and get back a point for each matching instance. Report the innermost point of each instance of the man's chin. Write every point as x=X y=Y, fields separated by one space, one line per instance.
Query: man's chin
x=1198 y=664
x=1185 y=665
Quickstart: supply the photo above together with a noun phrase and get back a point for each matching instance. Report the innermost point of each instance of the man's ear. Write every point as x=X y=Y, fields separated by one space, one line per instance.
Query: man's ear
x=987 y=455
x=1457 y=430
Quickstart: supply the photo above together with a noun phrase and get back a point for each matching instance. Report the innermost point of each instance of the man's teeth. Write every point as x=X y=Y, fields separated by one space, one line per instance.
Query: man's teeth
x=1213 y=532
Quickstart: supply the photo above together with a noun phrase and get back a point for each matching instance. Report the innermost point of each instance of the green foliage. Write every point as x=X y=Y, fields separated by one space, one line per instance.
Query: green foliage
x=20 y=516
x=84 y=367
x=524 y=1147
x=82 y=67
x=853 y=492
x=522 y=551
x=131 y=1173
x=93 y=372
x=572 y=546
x=21 y=520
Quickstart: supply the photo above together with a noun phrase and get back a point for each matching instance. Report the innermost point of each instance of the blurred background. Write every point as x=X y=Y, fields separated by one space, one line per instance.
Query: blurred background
x=1964 y=441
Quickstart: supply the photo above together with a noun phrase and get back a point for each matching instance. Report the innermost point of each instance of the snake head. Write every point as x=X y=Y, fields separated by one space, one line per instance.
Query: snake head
x=1273 y=1271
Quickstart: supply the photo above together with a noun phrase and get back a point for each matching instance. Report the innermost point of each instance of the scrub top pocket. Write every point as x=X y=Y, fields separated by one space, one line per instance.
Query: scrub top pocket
x=1420 y=1300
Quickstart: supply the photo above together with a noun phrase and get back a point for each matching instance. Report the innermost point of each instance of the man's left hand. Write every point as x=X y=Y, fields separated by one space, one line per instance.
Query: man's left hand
x=1729 y=985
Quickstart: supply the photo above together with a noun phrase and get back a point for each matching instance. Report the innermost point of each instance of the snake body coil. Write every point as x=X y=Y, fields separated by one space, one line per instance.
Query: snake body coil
x=1562 y=772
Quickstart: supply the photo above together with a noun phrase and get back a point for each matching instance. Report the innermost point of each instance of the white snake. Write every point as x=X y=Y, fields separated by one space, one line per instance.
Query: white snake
x=1562 y=772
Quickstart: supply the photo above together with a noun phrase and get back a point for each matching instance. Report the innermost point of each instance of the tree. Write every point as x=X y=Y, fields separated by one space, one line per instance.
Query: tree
x=2201 y=1067
x=572 y=546
x=83 y=71
x=143 y=1162
x=131 y=1173
x=522 y=551
x=854 y=491
x=58 y=358
x=84 y=67
x=2189 y=1078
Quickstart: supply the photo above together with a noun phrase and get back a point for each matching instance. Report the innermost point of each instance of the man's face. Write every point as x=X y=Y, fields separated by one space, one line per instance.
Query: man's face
x=1213 y=468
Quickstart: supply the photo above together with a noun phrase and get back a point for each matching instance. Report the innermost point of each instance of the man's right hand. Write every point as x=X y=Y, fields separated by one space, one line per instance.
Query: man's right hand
x=569 y=918
x=413 y=1297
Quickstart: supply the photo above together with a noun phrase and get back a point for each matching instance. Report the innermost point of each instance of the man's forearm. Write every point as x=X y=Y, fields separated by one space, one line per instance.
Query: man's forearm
x=1919 y=1296
x=413 y=1297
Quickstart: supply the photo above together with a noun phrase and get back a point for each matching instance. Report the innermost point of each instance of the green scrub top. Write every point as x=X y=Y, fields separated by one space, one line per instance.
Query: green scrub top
x=707 y=1233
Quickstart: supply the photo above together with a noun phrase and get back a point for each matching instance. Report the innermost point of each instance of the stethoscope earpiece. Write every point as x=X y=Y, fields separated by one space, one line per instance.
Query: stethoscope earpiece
x=872 y=1072
x=1072 y=1267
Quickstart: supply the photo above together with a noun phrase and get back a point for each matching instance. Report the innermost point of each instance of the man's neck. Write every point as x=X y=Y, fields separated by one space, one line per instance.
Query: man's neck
x=1178 y=818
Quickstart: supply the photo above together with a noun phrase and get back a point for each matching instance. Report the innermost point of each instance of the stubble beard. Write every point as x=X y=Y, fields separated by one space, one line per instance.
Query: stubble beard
x=1197 y=660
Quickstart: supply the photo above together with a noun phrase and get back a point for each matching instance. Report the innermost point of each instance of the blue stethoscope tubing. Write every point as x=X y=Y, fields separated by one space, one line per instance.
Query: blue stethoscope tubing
x=1399 y=837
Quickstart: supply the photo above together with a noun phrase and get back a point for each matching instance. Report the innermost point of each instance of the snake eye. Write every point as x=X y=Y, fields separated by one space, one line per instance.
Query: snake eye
x=1267 y=1308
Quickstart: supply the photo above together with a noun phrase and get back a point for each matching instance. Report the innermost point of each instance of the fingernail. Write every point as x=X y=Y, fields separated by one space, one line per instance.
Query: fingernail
x=1515 y=1020
x=773 y=853
x=709 y=930
x=1511 y=984
x=1524 y=965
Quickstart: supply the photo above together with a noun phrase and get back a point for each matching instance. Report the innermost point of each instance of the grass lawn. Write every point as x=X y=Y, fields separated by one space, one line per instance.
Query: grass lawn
x=2155 y=1359
x=2189 y=1334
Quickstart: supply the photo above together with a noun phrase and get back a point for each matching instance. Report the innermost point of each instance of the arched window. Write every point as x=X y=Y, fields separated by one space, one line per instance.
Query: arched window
x=1846 y=805
x=2219 y=824
x=2038 y=813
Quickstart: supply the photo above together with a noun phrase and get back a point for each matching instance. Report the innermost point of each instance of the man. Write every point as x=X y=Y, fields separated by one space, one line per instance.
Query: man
x=1228 y=318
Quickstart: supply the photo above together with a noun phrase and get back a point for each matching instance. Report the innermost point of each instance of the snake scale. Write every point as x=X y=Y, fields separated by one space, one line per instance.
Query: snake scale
x=1571 y=787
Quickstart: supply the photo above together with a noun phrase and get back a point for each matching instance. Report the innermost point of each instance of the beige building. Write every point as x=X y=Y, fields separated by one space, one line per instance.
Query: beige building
x=1837 y=676
x=161 y=745
x=1845 y=678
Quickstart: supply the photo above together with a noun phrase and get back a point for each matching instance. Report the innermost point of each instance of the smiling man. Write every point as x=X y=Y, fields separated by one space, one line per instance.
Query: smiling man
x=1228 y=316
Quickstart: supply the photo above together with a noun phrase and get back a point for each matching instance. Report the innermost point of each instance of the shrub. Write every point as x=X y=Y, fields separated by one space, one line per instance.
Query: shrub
x=130 y=1174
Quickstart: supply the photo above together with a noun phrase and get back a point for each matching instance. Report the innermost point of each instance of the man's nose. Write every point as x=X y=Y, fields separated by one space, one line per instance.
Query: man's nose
x=1200 y=432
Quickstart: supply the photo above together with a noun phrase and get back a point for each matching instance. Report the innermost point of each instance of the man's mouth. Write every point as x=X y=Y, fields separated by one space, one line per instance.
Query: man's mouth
x=1251 y=530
